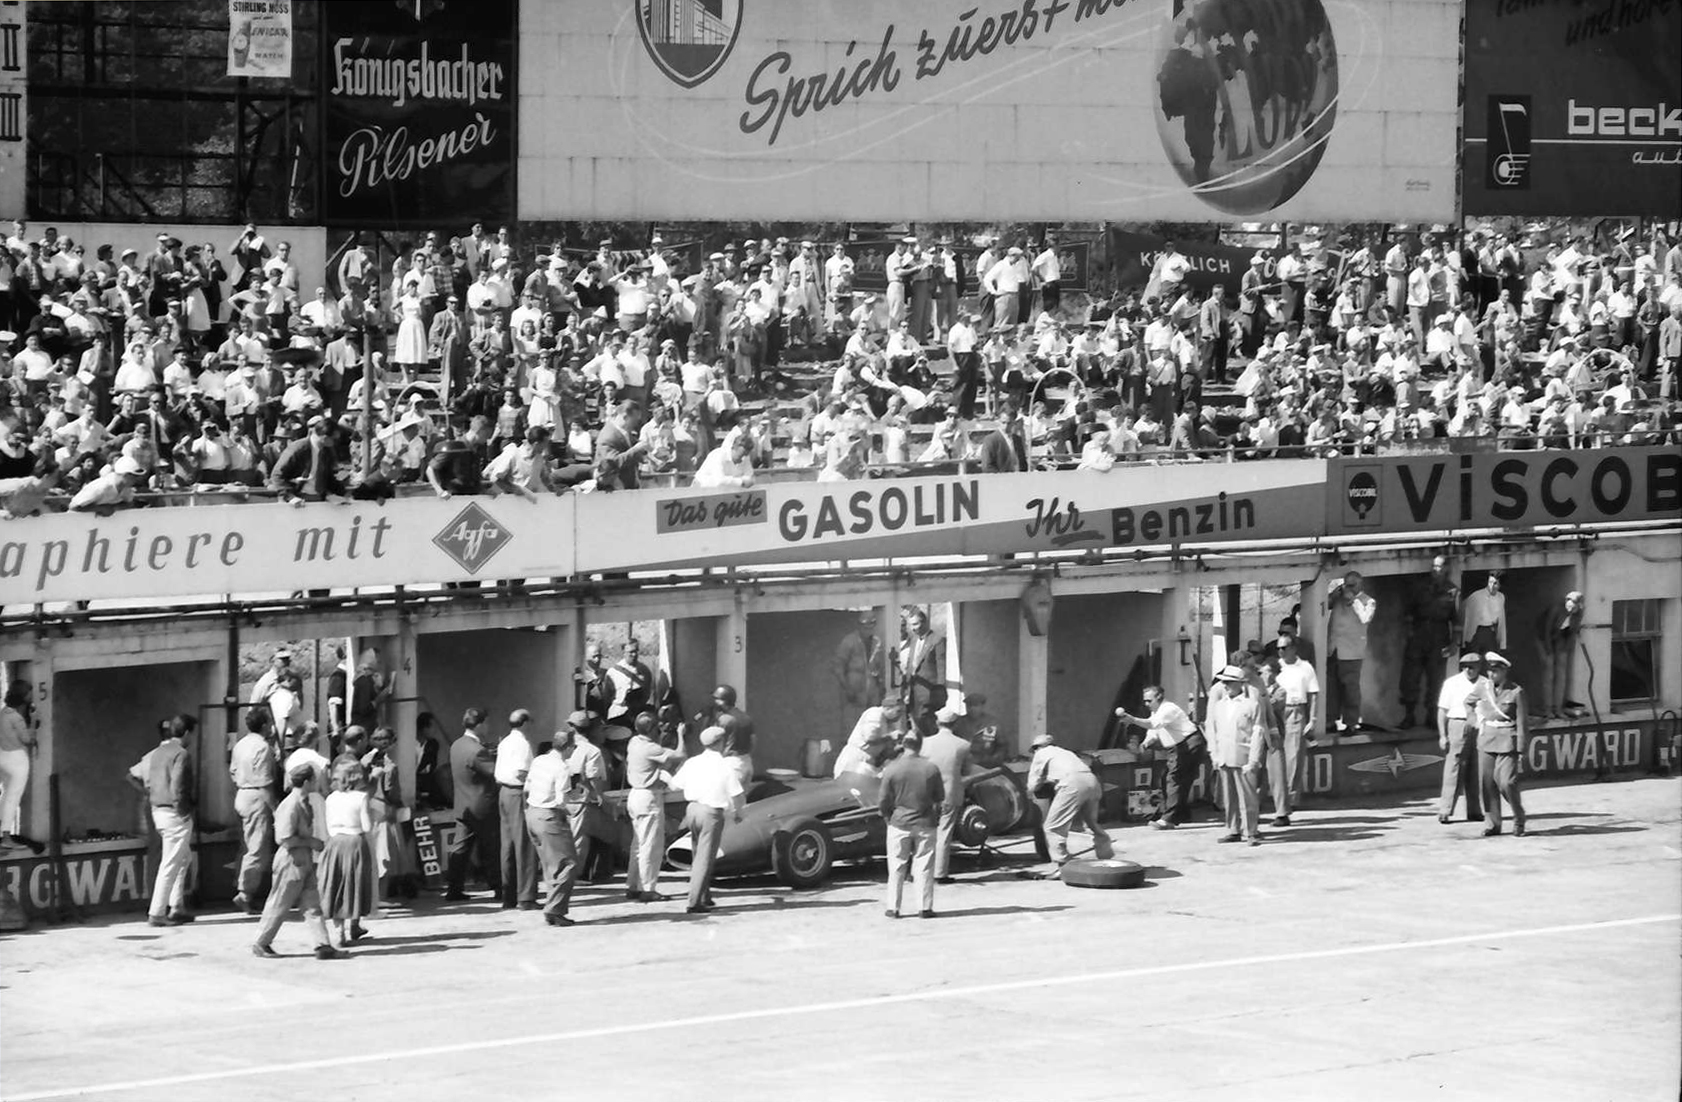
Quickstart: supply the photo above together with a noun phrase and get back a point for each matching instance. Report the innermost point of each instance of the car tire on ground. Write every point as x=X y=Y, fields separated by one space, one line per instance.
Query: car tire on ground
x=803 y=854
x=1107 y=873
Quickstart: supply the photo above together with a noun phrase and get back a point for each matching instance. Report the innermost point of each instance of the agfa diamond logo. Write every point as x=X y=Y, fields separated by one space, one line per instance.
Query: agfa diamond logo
x=472 y=539
x=689 y=39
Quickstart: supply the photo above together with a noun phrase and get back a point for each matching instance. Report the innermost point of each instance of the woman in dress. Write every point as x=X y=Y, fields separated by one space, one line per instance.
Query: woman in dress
x=410 y=351
x=394 y=859
x=544 y=394
x=194 y=305
x=347 y=864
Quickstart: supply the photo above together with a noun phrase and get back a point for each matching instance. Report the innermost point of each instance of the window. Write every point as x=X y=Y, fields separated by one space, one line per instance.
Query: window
x=1635 y=651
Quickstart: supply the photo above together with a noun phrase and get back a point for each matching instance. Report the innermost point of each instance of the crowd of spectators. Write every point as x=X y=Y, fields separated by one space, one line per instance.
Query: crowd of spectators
x=471 y=365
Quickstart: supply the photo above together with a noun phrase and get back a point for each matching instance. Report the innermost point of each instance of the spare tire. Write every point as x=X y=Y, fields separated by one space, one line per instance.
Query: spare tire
x=1107 y=873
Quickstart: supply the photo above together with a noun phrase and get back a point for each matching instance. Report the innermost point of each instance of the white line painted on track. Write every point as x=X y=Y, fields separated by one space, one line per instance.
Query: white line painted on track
x=822 y=1008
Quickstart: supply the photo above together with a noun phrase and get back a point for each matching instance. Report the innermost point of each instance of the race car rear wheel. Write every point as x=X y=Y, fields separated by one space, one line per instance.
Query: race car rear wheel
x=972 y=826
x=1107 y=873
x=804 y=854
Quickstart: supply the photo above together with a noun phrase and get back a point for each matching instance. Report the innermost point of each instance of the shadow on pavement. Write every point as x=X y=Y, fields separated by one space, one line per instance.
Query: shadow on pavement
x=1157 y=872
x=982 y=912
x=1320 y=834
x=380 y=940
x=1569 y=829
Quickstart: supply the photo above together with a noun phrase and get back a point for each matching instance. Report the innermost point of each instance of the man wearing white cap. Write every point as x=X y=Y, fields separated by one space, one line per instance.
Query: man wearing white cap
x=1457 y=736
x=1498 y=705
x=712 y=786
x=1558 y=630
x=1237 y=734
x=950 y=753
x=108 y=491
x=1074 y=794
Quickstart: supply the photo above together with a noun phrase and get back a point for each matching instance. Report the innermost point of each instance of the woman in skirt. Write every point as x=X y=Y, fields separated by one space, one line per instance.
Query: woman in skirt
x=347 y=864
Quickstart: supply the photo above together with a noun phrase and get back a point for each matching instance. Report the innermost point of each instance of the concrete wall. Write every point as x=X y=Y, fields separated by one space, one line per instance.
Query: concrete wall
x=497 y=671
x=792 y=691
x=695 y=662
x=104 y=720
x=988 y=632
x=1095 y=640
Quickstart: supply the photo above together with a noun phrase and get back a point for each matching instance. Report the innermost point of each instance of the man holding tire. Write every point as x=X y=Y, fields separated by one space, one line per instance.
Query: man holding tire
x=1074 y=793
x=911 y=797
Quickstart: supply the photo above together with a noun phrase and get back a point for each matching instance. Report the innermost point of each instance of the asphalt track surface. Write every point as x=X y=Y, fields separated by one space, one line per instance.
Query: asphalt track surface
x=1365 y=953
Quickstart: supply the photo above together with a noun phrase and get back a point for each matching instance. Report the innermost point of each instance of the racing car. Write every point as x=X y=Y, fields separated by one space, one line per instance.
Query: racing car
x=800 y=829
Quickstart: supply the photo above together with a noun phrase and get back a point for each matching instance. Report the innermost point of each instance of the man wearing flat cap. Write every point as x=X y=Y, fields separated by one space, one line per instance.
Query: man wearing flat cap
x=308 y=469
x=519 y=855
x=713 y=789
x=1498 y=705
x=950 y=753
x=1457 y=737
x=586 y=781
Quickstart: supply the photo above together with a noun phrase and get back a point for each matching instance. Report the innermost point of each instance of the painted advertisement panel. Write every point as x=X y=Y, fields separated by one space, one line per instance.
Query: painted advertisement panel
x=952 y=515
x=1011 y=109
x=140 y=554
x=418 y=112
x=14 y=106
x=1503 y=490
x=1573 y=107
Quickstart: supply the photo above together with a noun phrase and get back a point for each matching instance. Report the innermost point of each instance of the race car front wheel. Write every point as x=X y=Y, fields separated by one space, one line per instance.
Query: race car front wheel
x=804 y=854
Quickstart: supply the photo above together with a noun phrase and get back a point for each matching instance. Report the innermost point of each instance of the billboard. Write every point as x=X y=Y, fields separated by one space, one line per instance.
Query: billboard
x=965 y=514
x=1573 y=108
x=418 y=112
x=1531 y=489
x=260 y=38
x=1054 y=110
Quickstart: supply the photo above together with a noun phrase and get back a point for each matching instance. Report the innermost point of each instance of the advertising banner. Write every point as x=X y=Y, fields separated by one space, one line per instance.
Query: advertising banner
x=207 y=551
x=870 y=257
x=418 y=112
x=14 y=107
x=260 y=38
x=1136 y=256
x=1573 y=108
x=952 y=515
x=1020 y=110
x=1536 y=489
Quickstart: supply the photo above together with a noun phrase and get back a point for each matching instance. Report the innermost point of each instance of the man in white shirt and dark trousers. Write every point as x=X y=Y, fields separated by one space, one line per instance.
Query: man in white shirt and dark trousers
x=1296 y=726
x=546 y=818
x=1048 y=270
x=966 y=363
x=519 y=856
x=1458 y=738
x=1350 y=611
x=1169 y=727
x=713 y=788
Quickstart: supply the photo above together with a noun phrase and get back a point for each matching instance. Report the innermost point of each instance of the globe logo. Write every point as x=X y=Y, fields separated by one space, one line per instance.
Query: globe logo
x=1245 y=98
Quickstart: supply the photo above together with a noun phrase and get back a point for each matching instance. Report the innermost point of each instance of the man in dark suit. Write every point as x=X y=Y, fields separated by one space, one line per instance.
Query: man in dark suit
x=308 y=470
x=473 y=769
x=922 y=666
x=617 y=451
